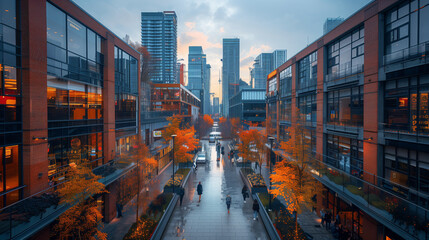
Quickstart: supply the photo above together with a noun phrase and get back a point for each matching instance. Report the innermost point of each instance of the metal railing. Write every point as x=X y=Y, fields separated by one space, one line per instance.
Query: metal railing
x=23 y=218
x=382 y=199
x=420 y=51
x=345 y=70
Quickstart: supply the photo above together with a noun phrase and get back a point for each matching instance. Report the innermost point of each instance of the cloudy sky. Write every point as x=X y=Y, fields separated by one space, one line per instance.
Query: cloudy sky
x=261 y=25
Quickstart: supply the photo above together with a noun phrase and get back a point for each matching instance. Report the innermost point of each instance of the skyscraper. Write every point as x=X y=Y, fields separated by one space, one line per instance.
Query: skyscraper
x=279 y=57
x=159 y=36
x=215 y=105
x=206 y=87
x=196 y=73
x=331 y=23
x=230 y=71
x=263 y=65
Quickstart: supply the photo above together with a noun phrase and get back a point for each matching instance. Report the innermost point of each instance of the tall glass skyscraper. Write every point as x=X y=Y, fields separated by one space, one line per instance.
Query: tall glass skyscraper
x=206 y=101
x=263 y=65
x=196 y=72
x=230 y=71
x=159 y=36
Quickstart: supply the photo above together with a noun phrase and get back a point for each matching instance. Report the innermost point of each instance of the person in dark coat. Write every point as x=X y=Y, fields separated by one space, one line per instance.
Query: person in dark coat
x=119 y=209
x=181 y=194
x=228 y=202
x=255 y=208
x=245 y=193
x=328 y=218
x=199 y=191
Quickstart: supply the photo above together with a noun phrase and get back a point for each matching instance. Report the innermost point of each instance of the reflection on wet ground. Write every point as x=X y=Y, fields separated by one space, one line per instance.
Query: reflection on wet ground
x=209 y=218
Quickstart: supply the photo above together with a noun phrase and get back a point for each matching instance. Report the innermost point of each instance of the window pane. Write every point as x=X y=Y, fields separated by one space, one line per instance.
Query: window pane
x=76 y=37
x=10 y=81
x=11 y=160
x=424 y=29
x=56 y=25
x=8 y=12
x=91 y=45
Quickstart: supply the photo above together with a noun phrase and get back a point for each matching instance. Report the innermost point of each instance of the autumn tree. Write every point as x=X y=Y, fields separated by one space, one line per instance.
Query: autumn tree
x=229 y=127
x=205 y=123
x=83 y=219
x=252 y=146
x=184 y=142
x=292 y=178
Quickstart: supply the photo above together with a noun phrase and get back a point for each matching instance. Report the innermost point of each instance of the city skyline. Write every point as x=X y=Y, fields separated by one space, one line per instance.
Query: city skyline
x=228 y=19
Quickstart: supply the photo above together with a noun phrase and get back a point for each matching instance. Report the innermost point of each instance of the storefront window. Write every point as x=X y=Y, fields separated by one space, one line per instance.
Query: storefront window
x=406 y=167
x=346 y=154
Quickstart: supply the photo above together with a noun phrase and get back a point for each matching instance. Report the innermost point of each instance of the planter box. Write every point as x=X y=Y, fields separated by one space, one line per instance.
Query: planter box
x=259 y=189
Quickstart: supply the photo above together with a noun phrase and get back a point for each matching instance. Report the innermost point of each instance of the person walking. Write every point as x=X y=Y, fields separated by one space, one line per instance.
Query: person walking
x=328 y=218
x=181 y=194
x=199 y=191
x=322 y=216
x=255 y=208
x=245 y=193
x=228 y=202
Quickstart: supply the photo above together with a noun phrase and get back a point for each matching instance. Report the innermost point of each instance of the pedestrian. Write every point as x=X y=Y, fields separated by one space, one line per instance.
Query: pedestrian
x=245 y=193
x=199 y=191
x=328 y=218
x=322 y=216
x=181 y=194
x=337 y=220
x=119 y=209
x=255 y=208
x=256 y=165
x=228 y=202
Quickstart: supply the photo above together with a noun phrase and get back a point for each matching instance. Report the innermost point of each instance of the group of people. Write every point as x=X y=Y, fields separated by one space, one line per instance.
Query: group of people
x=338 y=230
x=228 y=199
x=326 y=218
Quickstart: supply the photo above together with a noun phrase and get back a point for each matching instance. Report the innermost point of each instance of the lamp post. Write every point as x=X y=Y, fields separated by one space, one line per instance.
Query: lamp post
x=173 y=136
x=271 y=140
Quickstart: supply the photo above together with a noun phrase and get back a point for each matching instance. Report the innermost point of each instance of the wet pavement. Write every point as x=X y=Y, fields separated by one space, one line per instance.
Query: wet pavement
x=209 y=218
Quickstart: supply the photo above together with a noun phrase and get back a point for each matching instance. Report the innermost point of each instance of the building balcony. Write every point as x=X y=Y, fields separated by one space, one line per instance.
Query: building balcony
x=343 y=128
x=407 y=58
x=26 y=217
x=401 y=133
x=156 y=116
x=374 y=196
x=346 y=75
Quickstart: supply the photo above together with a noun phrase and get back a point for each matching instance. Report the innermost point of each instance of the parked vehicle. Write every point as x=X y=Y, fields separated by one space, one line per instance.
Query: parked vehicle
x=201 y=158
x=214 y=136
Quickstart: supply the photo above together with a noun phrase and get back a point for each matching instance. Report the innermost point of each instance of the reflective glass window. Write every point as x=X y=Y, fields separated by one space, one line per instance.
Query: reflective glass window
x=56 y=25
x=76 y=36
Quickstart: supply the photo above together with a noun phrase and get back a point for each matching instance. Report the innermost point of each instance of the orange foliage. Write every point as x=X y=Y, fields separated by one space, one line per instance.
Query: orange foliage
x=82 y=220
x=208 y=119
x=291 y=178
x=184 y=143
x=252 y=145
x=222 y=120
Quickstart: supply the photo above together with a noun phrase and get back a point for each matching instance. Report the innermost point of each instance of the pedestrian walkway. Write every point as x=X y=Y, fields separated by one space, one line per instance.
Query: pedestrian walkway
x=209 y=218
x=118 y=227
x=308 y=220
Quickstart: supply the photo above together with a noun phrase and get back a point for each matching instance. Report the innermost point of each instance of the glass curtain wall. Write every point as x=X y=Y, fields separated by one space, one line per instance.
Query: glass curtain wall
x=346 y=154
x=10 y=103
x=406 y=26
x=406 y=105
x=345 y=107
x=345 y=55
x=307 y=71
x=74 y=51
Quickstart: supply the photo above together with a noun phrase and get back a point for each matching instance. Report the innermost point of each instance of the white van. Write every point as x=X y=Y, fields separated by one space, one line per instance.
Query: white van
x=213 y=136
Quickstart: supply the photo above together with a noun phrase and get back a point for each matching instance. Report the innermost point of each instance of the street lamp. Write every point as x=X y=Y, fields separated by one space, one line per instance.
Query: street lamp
x=173 y=136
x=271 y=140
